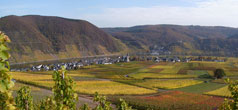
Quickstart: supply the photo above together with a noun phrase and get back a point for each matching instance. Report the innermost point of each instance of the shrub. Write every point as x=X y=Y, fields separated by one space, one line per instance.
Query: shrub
x=123 y=105
x=103 y=103
x=24 y=99
x=46 y=104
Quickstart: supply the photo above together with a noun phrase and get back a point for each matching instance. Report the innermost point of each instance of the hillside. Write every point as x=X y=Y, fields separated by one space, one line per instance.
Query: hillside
x=42 y=37
x=188 y=40
x=37 y=38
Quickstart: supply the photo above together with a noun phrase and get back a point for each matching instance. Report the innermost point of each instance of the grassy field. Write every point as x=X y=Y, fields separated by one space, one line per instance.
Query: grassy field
x=201 y=88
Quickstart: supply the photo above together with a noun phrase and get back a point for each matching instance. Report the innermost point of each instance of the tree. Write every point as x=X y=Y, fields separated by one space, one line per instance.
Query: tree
x=219 y=73
x=6 y=83
x=24 y=100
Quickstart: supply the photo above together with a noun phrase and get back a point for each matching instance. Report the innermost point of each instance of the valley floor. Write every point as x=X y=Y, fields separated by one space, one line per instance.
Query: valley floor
x=163 y=85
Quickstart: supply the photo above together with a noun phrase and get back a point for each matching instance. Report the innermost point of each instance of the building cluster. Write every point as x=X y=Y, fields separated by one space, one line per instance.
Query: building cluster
x=74 y=65
x=175 y=59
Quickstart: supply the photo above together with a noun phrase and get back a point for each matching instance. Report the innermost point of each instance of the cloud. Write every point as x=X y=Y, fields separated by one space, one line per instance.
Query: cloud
x=208 y=13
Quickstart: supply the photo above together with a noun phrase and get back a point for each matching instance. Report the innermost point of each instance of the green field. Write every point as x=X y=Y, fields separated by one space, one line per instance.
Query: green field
x=201 y=88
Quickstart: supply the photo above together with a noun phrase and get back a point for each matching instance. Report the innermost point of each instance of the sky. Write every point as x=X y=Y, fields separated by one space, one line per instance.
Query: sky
x=125 y=13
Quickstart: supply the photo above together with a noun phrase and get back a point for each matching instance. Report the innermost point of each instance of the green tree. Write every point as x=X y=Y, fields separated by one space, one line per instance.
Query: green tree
x=24 y=100
x=219 y=73
x=6 y=83
x=47 y=104
x=64 y=93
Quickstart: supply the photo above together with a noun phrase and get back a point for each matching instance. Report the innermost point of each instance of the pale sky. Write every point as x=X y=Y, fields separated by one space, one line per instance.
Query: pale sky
x=123 y=13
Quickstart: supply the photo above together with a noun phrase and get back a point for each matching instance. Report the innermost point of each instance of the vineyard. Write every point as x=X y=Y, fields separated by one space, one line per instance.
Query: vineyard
x=168 y=84
x=174 y=100
x=142 y=84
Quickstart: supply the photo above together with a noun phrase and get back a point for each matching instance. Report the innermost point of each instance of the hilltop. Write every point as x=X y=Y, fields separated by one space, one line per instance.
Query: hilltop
x=37 y=38
x=185 y=40
x=47 y=37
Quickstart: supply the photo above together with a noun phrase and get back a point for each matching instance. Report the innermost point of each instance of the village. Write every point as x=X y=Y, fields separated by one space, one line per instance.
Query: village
x=75 y=65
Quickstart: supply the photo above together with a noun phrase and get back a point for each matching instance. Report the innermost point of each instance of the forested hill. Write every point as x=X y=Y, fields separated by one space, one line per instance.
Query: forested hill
x=43 y=37
x=187 y=40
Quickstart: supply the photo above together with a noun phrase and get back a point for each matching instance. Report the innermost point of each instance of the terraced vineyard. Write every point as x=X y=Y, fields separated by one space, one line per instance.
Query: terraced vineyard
x=85 y=85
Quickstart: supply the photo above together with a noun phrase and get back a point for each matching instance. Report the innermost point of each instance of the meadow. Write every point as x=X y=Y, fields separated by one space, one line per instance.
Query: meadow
x=201 y=88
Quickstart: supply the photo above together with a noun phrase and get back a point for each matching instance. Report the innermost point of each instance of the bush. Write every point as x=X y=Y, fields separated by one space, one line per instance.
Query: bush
x=219 y=73
x=24 y=99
